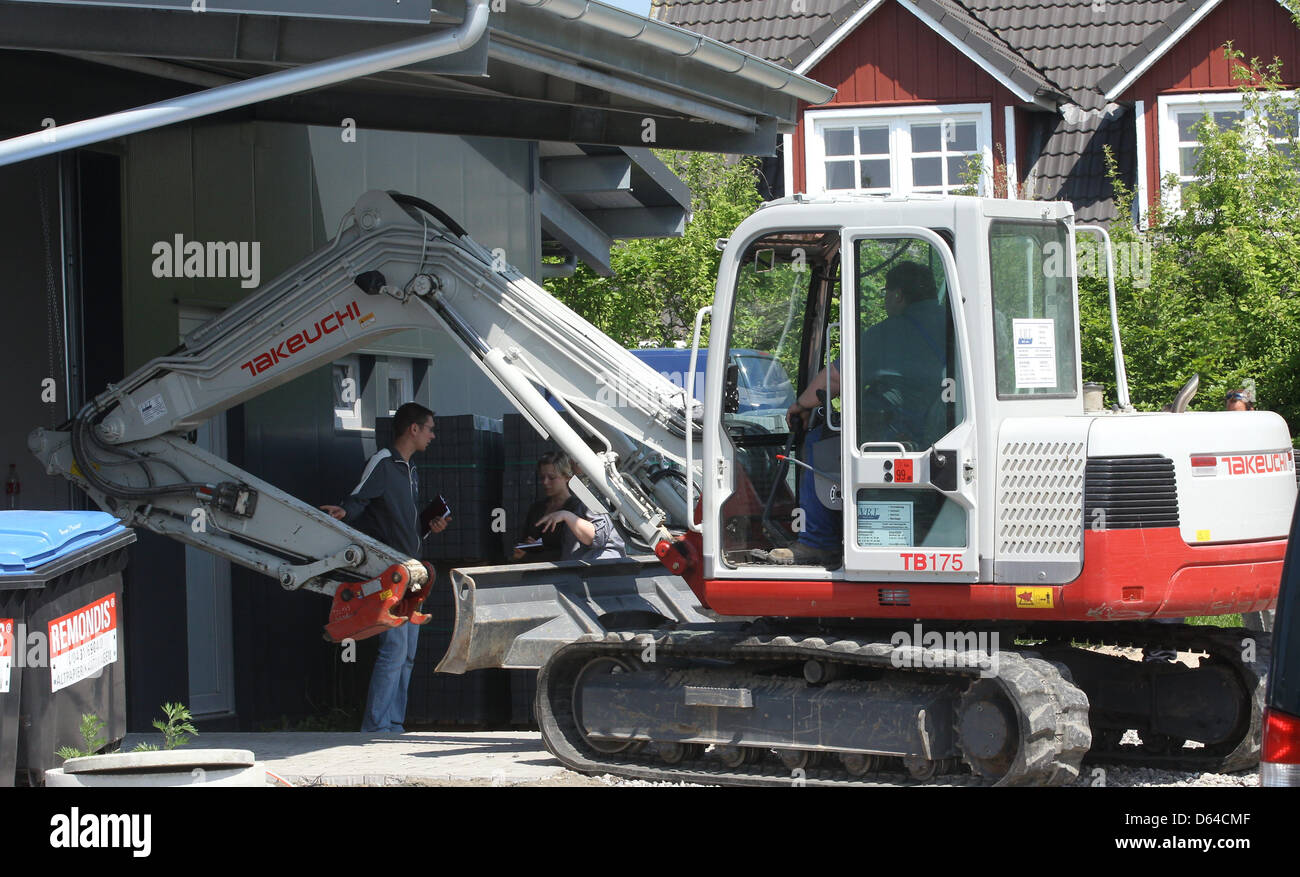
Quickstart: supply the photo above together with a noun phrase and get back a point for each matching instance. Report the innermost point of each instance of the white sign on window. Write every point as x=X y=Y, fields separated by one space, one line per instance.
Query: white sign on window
x=1035 y=345
x=884 y=524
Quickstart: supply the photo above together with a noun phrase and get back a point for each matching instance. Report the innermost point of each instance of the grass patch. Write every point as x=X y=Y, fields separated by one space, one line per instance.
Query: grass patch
x=1214 y=620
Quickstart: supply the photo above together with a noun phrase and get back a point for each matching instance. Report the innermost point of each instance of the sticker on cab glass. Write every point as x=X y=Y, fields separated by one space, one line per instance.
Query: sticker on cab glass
x=1034 y=598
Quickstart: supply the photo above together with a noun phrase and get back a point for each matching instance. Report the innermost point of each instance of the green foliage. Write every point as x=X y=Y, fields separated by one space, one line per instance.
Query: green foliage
x=178 y=727
x=659 y=283
x=1210 y=288
x=176 y=731
x=92 y=738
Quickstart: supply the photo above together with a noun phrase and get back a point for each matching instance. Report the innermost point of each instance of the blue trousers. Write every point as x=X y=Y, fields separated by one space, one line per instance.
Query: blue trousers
x=823 y=528
x=389 y=681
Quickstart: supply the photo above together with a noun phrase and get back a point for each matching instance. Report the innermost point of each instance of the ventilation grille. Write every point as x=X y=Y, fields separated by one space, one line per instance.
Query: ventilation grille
x=1128 y=493
x=1295 y=456
x=1040 y=500
x=895 y=597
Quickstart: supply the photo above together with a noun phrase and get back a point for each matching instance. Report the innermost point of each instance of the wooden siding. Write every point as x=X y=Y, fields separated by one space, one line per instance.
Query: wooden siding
x=1258 y=28
x=895 y=58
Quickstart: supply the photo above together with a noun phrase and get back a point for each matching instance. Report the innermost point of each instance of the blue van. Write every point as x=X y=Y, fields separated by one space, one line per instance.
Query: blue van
x=762 y=383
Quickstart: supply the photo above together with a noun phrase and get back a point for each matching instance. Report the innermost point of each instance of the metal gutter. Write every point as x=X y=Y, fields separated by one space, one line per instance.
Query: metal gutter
x=586 y=76
x=685 y=44
x=250 y=91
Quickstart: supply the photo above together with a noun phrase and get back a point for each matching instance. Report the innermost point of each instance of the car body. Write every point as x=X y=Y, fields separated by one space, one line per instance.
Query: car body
x=762 y=383
x=1280 y=755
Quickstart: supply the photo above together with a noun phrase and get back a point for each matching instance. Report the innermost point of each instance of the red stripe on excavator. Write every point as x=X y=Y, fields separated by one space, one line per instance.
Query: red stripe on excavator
x=1127 y=574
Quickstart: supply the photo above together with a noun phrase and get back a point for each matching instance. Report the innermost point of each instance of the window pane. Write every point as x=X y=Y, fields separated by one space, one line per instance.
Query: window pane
x=957 y=165
x=1186 y=122
x=925 y=138
x=909 y=517
x=962 y=137
x=1187 y=158
x=783 y=290
x=1225 y=119
x=873 y=141
x=906 y=345
x=1280 y=129
x=839 y=141
x=927 y=172
x=839 y=175
x=873 y=173
x=1033 y=309
x=343 y=382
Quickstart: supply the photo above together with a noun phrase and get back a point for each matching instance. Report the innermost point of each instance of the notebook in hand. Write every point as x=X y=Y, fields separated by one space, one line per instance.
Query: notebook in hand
x=434 y=511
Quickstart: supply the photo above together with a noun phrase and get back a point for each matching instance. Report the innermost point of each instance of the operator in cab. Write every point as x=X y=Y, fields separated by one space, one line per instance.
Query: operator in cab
x=903 y=362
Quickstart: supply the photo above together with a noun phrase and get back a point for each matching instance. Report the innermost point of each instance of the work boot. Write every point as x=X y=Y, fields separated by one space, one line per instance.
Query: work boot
x=800 y=554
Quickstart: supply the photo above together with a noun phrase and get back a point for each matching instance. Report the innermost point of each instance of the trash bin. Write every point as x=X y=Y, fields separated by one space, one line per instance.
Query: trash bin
x=61 y=626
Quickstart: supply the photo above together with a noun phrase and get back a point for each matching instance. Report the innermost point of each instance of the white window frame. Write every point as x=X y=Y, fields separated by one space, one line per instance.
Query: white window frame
x=900 y=139
x=345 y=418
x=1167 y=107
x=400 y=368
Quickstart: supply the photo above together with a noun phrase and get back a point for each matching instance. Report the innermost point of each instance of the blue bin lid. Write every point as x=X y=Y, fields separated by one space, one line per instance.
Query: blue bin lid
x=32 y=539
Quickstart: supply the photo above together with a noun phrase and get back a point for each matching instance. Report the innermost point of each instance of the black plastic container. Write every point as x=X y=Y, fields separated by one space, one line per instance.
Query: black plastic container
x=67 y=636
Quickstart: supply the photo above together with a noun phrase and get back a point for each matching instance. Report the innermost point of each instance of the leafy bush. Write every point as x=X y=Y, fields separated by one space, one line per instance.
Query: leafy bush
x=659 y=283
x=1211 y=287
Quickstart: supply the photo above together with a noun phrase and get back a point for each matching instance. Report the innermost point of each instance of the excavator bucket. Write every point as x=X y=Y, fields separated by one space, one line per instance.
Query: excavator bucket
x=516 y=616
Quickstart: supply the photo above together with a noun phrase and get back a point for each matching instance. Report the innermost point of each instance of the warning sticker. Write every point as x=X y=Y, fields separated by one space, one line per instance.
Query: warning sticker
x=1034 y=598
x=884 y=524
x=152 y=408
x=1035 y=353
x=83 y=642
x=6 y=652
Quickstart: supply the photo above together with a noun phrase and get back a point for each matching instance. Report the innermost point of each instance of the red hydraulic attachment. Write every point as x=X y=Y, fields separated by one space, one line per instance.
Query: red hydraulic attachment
x=363 y=609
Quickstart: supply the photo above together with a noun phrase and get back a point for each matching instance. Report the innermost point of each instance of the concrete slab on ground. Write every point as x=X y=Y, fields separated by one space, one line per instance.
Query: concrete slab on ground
x=453 y=758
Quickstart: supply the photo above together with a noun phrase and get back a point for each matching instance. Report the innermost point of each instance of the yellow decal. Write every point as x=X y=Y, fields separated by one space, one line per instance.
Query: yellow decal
x=74 y=469
x=385 y=594
x=1202 y=535
x=1034 y=598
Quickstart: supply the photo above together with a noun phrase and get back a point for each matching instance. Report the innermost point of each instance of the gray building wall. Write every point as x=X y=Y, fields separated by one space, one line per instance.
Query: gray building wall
x=287 y=187
x=32 y=334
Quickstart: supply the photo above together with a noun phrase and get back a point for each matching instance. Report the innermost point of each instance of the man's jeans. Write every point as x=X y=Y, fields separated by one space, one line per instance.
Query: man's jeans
x=823 y=528
x=386 y=702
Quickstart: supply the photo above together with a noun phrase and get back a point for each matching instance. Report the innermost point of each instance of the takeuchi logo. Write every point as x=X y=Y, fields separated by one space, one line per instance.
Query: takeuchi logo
x=299 y=341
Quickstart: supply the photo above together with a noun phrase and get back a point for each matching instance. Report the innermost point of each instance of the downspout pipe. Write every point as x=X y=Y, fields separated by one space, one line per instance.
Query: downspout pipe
x=250 y=91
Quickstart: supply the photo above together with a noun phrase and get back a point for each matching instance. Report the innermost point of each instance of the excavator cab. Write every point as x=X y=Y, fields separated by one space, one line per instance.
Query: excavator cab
x=899 y=420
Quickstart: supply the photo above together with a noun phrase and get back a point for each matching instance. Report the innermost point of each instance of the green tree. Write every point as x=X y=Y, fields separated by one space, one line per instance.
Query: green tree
x=659 y=283
x=1211 y=287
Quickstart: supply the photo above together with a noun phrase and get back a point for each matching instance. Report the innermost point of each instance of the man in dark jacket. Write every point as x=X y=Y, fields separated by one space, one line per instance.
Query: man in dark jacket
x=383 y=506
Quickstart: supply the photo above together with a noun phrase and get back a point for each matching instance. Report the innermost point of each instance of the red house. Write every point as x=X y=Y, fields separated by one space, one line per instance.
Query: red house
x=1036 y=89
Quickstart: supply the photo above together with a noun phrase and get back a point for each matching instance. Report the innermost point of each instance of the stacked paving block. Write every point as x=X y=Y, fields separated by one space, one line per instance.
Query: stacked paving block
x=464 y=465
x=519 y=486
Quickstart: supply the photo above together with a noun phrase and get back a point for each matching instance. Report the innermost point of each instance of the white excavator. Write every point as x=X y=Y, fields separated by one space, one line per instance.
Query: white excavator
x=897 y=589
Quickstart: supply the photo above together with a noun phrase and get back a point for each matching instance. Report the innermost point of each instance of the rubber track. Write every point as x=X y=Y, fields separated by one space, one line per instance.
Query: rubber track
x=1223 y=644
x=1053 y=713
